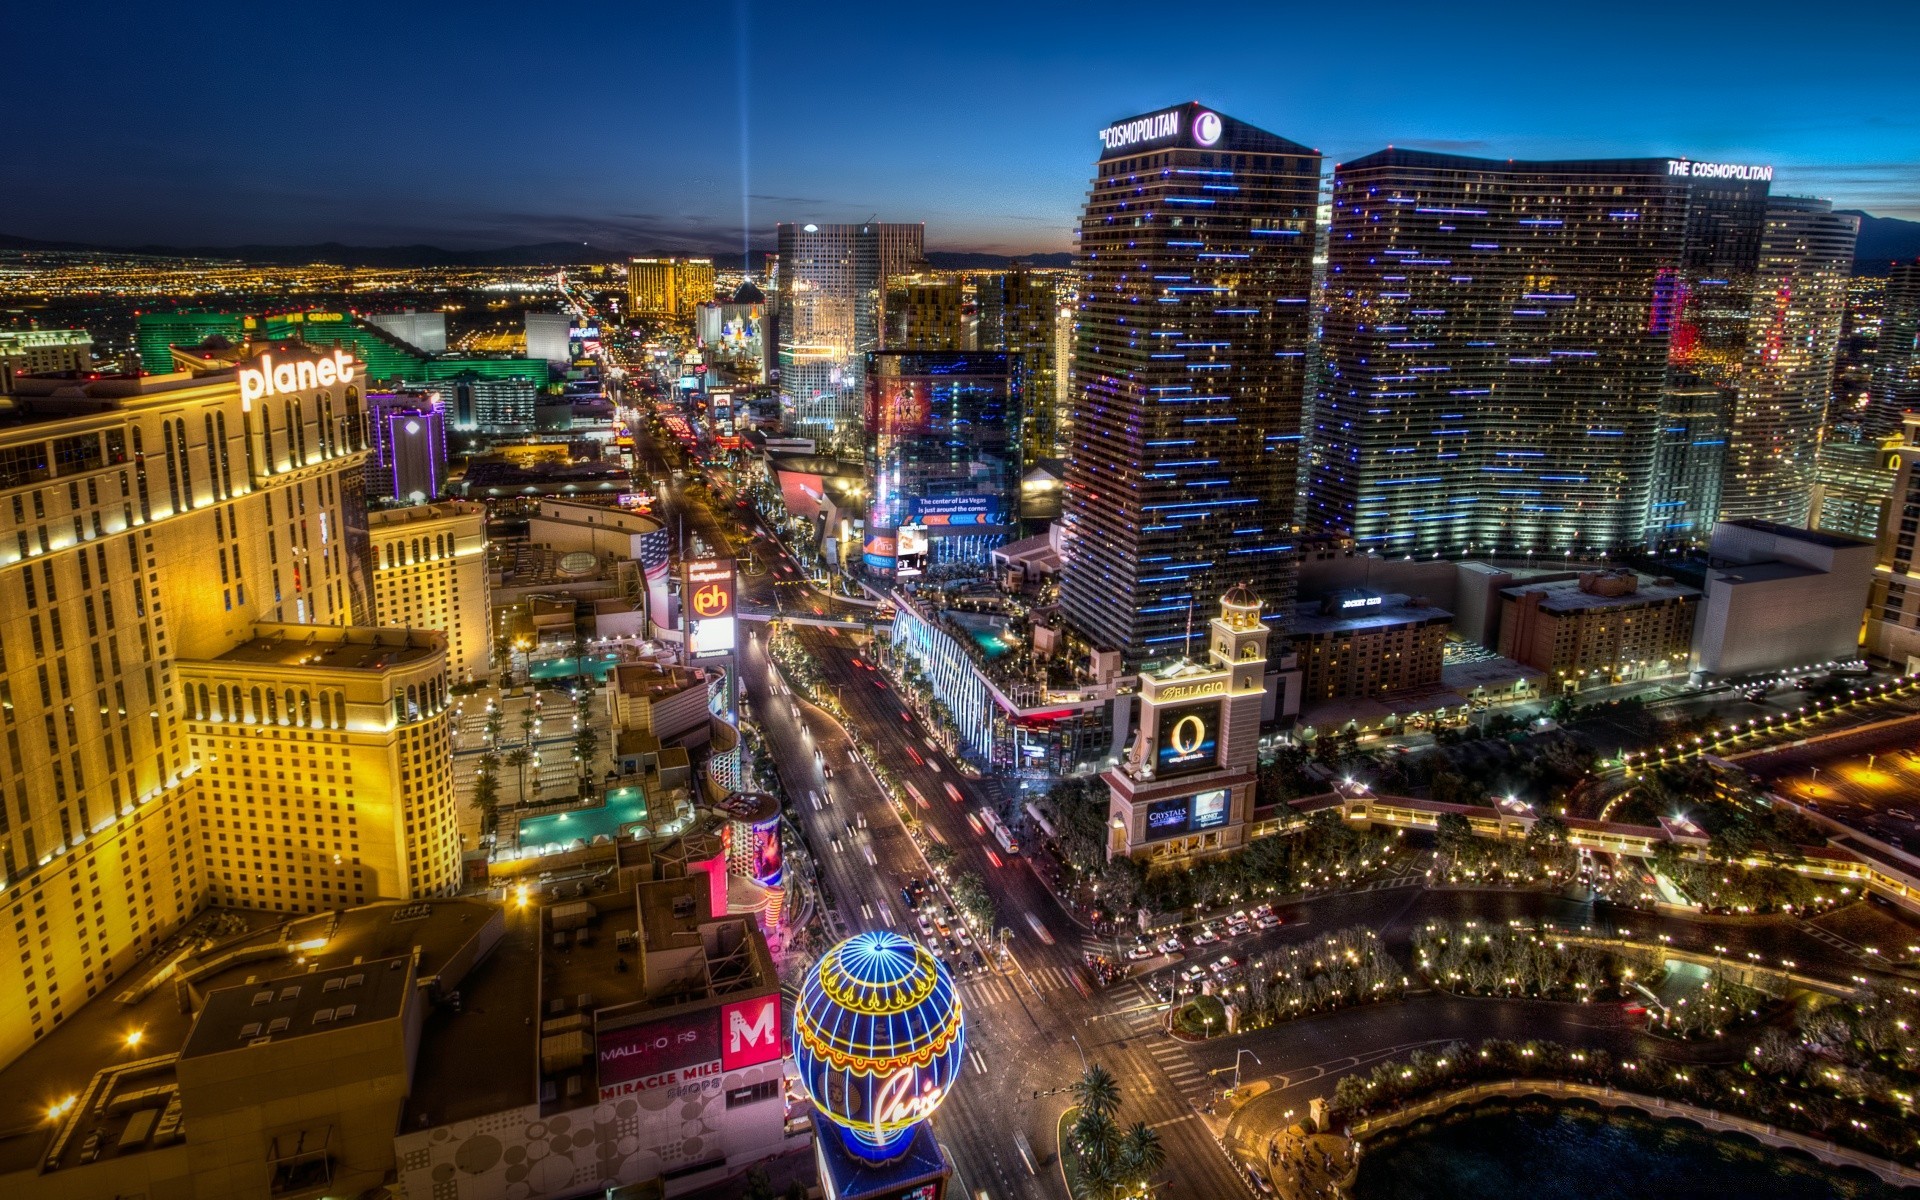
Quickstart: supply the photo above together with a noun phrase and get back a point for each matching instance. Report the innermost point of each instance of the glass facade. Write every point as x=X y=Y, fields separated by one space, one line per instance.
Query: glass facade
x=1500 y=342
x=1196 y=271
x=942 y=456
x=831 y=291
x=1800 y=300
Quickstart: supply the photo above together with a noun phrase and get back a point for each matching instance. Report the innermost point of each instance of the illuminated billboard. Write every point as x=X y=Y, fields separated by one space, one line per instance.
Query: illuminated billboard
x=689 y=1052
x=912 y=547
x=1186 y=814
x=1187 y=739
x=943 y=511
x=767 y=861
x=708 y=600
x=659 y=1054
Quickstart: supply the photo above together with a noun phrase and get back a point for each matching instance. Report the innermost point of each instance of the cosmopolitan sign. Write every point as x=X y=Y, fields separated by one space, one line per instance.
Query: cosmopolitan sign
x=1710 y=170
x=272 y=379
x=1141 y=129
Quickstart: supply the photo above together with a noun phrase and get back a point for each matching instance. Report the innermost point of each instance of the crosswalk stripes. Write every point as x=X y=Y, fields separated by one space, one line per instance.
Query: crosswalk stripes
x=1835 y=940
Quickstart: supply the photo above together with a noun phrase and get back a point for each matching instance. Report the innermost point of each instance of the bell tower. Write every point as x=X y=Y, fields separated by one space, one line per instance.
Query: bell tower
x=1186 y=788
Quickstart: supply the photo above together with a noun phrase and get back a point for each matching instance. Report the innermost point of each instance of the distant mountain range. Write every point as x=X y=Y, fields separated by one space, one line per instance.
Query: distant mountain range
x=536 y=255
x=1882 y=240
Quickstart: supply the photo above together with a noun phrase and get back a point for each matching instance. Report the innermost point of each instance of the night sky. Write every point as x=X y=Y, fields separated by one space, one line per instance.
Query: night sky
x=482 y=124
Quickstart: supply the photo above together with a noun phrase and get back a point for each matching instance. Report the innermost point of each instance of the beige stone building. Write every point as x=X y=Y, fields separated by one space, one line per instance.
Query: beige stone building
x=149 y=527
x=430 y=572
x=1602 y=628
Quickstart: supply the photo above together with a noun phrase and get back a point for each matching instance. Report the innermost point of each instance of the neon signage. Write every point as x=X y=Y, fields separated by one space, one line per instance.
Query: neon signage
x=1142 y=129
x=1711 y=170
x=273 y=379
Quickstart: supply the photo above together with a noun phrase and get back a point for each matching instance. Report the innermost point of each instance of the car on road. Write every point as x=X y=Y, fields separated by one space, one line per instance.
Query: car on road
x=826 y=771
x=1141 y=951
x=915 y=756
x=1193 y=973
x=953 y=793
x=906 y=895
x=906 y=716
x=1267 y=921
x=1224 y=966
x=1205 y=936
x=1039 y=930
x=1171 y=944
x=960 y=933
x=926 y=926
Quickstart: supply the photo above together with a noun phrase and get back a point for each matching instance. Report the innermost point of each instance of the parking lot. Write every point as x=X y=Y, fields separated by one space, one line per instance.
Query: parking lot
x=1870 y=781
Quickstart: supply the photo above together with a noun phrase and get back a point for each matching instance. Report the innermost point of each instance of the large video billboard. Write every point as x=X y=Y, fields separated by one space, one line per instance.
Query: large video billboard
x=1186 y=814
x=767 y=859
x=709 y=608
x=1187 y=739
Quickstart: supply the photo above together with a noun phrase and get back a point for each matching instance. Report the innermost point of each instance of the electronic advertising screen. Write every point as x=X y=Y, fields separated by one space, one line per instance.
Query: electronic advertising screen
x=912 y=557
x=767 y=861
x=708 y=603
x=1186 y=814
x=659 y=1054
x=948 y=511
x=1187 y=739
x=1168 y=818
x=1209 y=811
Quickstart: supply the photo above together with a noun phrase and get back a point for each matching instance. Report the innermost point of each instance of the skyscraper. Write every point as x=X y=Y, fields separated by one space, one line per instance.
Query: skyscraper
x=1895 y=384
x=831 y=301
x=1196 y=270
x=1500 y=339
x=1800 y=299
x=668 y=287
x=171 y=681
x=942 y=456
x=1020 y=313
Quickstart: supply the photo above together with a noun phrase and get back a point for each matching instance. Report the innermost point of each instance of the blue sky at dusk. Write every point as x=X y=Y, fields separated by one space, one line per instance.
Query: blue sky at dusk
x=481 y=123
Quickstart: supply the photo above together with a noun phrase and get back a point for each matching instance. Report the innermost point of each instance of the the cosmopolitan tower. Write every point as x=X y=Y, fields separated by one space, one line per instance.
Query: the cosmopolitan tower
x=1195 y=268
x=1530 y=356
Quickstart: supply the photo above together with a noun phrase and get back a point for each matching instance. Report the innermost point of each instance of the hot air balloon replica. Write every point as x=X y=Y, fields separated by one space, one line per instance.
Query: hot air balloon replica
x=878 y=1040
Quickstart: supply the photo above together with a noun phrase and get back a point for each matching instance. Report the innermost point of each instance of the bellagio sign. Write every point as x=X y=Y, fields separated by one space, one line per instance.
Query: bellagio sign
x=272 y=379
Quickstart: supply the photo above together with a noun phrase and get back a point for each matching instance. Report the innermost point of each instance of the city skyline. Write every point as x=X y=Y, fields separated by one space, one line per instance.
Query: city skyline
x=992 y=164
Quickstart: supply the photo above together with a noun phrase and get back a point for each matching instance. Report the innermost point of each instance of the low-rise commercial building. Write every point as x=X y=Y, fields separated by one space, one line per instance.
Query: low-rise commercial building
x=1779 y=597
x=1605 y=627
x=1361 y=643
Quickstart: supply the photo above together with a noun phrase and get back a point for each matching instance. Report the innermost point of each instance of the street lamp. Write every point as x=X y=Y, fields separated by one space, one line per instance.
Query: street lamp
x=1236 y=1064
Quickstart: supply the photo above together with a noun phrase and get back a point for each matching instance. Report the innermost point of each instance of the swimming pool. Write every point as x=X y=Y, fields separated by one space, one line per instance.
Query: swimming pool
x=556 y=831
x=985 y=631
x=598 y=665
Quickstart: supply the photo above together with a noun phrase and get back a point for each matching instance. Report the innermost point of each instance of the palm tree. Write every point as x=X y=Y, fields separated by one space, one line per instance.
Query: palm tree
x=1098 y=1139
x=1097 y=1091
x=518 y=758
x=1141 y=1153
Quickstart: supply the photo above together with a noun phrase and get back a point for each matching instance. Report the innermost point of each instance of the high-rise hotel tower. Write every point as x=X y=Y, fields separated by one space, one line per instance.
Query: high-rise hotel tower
x=192 y=708
x=1196 y=269
x=1531 y=356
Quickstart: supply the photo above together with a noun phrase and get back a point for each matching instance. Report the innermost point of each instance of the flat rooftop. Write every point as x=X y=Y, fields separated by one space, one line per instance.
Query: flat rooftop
x=217 y=952
x=234 y=1018
x=334 y=648
x=1392 y=610
x=1766 y=572
x=1813 y=537
x=1565 y=595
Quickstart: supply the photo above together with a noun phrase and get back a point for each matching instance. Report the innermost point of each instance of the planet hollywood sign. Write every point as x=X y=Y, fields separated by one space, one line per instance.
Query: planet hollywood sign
x=1712 y=170
x=273 y=379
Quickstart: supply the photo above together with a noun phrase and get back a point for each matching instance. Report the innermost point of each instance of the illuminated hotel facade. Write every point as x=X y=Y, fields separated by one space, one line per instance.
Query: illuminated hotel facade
x=1510 y=347
x=831 y=298
x=1800 y=303
x=156 y=528
x=1196 y=271
x=430 y=572
x=668 y=287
